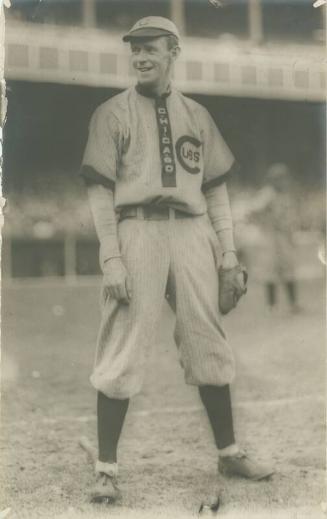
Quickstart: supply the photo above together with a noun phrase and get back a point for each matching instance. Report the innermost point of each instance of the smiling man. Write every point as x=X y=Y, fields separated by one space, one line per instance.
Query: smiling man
x=155 y=165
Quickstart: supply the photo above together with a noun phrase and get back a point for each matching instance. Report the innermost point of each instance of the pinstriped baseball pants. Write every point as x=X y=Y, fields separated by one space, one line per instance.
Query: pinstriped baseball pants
x=178 y=255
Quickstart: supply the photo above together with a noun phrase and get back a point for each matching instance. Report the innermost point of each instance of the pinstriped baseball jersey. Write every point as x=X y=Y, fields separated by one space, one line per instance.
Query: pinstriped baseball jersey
x=162 y=151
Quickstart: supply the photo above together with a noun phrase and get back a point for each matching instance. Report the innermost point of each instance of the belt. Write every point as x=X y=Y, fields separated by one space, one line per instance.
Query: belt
x=151 y=212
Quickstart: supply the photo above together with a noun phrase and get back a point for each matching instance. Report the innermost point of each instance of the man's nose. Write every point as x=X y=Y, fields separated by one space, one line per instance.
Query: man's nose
x=141 y=57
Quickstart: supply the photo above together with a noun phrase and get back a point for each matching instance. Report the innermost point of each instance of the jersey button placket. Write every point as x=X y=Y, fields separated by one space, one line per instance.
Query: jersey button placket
x=168 y=165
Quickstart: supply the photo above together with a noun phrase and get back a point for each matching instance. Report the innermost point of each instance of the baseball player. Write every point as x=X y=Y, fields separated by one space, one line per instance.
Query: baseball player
x=274 y=210
x=155 y=166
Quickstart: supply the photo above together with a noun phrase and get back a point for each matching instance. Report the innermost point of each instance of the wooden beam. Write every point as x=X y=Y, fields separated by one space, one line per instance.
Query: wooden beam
x=255 y=21
x=177 y=14
x=88 y=13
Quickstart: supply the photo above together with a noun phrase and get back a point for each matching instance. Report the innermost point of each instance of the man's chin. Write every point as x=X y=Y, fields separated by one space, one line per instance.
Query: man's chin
x=148 y=83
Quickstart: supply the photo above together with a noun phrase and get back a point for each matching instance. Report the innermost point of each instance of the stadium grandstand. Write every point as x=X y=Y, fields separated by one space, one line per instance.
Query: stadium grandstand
x=259 y=66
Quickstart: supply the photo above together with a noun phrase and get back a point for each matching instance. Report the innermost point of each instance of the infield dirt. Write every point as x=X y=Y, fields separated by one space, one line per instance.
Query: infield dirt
x=167 y=457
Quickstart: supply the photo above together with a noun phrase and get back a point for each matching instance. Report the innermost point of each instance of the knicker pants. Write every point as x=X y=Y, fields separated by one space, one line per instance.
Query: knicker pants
x=178 y=255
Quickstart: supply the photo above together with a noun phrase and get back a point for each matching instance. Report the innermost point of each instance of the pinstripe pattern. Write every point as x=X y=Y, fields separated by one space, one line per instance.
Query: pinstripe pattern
x=181 y=253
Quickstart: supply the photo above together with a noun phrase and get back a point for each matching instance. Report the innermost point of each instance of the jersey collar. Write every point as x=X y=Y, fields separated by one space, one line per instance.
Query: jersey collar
x=143 y=91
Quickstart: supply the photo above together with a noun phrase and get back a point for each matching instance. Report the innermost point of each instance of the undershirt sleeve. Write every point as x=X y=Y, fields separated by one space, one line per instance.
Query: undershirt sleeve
x=220 y=215
x=101 y=202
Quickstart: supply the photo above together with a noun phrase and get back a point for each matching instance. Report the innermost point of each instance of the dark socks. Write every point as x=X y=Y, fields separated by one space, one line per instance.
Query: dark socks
x=217 y=401
x=112 y=412
x=111 y=416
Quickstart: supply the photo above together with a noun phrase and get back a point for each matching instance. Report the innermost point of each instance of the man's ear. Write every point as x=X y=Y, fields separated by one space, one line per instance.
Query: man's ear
x=175 y=52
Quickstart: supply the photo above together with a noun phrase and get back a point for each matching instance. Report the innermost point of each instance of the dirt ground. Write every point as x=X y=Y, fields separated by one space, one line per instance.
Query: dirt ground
x=167 y=457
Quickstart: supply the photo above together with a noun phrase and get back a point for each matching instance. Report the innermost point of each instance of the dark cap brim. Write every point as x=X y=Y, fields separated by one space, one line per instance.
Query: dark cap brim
x=146 y=32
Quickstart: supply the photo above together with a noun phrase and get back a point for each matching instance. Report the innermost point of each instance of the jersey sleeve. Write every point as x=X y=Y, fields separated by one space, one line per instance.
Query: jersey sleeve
x=102 y=152
x=219 y=161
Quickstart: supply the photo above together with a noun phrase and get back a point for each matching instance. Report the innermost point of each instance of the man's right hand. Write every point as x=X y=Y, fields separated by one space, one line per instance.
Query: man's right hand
x=116 y=280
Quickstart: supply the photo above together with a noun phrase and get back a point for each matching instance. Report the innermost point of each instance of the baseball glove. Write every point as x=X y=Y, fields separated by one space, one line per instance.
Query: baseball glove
x=232 y=286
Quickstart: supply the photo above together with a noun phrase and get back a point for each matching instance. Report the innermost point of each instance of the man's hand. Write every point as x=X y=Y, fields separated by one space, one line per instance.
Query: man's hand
x=229 y=260
x=232 y=282
x=117 y=281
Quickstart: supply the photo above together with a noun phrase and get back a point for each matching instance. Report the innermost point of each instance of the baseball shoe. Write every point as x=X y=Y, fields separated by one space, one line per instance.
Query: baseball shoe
x=242 y=465
x=105 y=489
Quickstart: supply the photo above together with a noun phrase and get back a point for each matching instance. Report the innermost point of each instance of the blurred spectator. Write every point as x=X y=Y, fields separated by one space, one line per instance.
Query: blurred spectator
x=32 y=214
x=275 y=212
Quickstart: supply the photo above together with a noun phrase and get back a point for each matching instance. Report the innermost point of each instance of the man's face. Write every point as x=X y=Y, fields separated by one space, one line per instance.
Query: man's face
x=152 y=60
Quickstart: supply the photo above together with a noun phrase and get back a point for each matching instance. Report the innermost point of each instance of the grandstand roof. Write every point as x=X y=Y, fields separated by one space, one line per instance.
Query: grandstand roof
x=222 y=66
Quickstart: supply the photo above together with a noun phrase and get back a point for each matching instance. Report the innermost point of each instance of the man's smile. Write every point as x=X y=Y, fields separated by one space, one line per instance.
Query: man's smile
x=144 y=69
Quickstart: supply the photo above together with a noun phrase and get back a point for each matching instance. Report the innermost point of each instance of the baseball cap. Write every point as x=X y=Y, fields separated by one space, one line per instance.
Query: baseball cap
x=152 y=27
